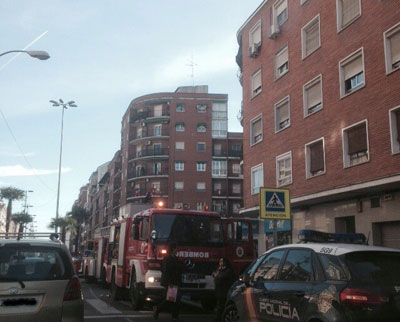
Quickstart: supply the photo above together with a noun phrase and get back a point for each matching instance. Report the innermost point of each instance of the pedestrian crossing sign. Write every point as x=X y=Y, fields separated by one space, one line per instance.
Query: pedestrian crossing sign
x=274 y=203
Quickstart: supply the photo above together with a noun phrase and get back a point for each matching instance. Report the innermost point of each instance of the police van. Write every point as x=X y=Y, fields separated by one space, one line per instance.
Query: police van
x=324 y=278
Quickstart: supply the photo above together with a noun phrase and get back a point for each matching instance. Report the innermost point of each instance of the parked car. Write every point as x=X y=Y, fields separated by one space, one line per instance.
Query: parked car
x=38 y=282
x=319 y=280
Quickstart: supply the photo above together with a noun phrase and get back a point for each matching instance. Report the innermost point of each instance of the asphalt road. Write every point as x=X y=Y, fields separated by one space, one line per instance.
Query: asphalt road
x=99 y=307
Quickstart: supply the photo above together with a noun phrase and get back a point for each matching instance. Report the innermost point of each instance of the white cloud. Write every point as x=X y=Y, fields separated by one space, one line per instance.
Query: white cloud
x=19 y=171
x=8 y=153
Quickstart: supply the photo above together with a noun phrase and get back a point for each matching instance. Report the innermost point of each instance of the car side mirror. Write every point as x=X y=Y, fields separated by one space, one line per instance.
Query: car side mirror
x=153 y=235
x=245 y=278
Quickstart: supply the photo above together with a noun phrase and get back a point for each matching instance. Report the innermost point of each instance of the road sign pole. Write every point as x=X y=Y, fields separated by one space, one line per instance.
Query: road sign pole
x=262 y=241
x=275 y=227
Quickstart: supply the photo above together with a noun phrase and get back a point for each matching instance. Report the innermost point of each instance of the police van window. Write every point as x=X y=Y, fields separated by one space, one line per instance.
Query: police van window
x=297 y=266
x=332 y=268
x=144 y=229
x=269 y=267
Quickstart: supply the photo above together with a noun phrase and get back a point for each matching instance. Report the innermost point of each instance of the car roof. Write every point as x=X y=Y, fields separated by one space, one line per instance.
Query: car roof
x=336 y=249
x=32 y=242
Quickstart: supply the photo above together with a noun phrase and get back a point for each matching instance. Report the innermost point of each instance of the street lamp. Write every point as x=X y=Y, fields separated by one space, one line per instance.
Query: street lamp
x=39 y=54
x=64 y=107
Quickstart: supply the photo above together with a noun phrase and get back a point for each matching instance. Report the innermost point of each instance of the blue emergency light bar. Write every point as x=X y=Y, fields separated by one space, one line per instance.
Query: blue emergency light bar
x=314 y=236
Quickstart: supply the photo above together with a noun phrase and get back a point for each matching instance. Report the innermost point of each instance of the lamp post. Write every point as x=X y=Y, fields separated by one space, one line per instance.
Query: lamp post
x=64 y=106
x=39 y=54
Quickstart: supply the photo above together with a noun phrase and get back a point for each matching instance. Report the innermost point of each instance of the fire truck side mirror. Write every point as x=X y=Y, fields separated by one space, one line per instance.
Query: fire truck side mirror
x=153 y=235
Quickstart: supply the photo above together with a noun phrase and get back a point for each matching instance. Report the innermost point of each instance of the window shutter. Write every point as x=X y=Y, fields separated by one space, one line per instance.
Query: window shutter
x=257 y=128
x=317 y=157
x=256 y=35
x=312 y=37
x=257 y=80
x=350 y=9
x=283 y=112
x=313 y=94
x=357 y=139
x=353 y=68
x=282 y=57
x=395 y=47
x=398 y=124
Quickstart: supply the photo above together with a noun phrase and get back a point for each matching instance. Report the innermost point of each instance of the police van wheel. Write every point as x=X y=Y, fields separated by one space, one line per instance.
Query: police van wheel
x=136 y=300
x=230 y=314
x=115 y=290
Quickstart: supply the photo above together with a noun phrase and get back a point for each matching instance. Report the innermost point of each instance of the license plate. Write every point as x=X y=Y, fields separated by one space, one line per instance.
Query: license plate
x=191 y=278
x=13 y=302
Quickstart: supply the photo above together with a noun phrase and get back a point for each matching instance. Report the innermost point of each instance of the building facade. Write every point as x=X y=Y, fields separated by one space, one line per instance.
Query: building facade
x=321 y=113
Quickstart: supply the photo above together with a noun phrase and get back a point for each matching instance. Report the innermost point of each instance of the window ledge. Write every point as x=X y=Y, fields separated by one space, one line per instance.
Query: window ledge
x=349 y=23
x=280 y=76
x=312 y=113
x=253 y=144
x=280 y=130
x=392 y=71
x=310 y=176
x=354 y=165
x=253 y=96
x=353 y=91
x=284 y=185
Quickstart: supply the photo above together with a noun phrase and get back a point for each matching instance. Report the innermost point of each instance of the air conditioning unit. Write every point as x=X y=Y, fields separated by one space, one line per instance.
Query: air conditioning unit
x=255 y=49
x=148 y=142
x=388 y=197
x=274 y=31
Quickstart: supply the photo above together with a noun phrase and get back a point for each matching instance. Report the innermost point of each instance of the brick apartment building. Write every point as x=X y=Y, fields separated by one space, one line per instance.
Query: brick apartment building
x=321 y=113
x=175 y=148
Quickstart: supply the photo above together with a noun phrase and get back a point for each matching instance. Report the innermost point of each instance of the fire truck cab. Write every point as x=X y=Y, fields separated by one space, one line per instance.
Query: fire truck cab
x=138 y=244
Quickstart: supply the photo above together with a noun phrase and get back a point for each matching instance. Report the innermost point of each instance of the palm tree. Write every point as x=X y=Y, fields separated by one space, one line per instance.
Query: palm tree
x=10 y=193
x=22 y=219
x=63 y=223
x=81 y=215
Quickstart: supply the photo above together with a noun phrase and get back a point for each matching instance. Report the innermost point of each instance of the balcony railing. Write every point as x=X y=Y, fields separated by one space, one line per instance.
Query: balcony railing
x=153 y=152
x=139 y=116
x=148 y=134
x=145 y=173
x=234 y=153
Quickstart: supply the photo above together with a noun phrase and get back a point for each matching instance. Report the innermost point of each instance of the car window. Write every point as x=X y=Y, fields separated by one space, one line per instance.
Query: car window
x=297 y=266
x=332 y=267
x=33 y=263
x=268 y=268
x=374 y=267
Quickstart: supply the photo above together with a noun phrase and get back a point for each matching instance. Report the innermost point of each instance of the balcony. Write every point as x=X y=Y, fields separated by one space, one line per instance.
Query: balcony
x=235 y=154
x=153 y=152
x=143 y=172
x=136 y=116
x=150 y=134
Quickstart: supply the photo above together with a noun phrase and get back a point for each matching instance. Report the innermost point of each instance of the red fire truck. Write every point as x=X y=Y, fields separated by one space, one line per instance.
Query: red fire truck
x=138 y=244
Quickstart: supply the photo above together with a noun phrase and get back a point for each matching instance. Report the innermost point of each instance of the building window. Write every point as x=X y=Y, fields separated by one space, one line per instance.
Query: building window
x=201 y=108
x=201 y=127
x=255 y=40
x=157 y=149
x=355 y=144
x=257 y=179
x=236 y=207
x=256 y=133
x=180 y=107
x=179 y=146
x=219 y=168
x=139 y=133
x=281 y=62
x=347 y=11
x=237 y=147
x=236 y=188
x=310 y=37
x=392 y=48
x=282 y=114
x=219 y=128
x=312 y=96
x=394 y=117
x=179 y=165
x=217 y=149
x=157 y=130
x=219 y=111
x=156 y=187
x=179 y=185
x=284 y=169
x=201 y=205
x=236 y=168
x=140 y=171
x=180 y=127
x=201 y=186
x=315 y=158
x=201 y=147
x=280 y=12
x=218 y=188
x=178 y=205
x=157 y=168
x=201 y=166
x=351 y=71
x=158 y=110
x=138 y=151
x=256 y=83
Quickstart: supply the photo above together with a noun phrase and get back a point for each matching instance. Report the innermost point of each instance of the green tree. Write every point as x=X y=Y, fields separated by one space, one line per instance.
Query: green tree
x=81 y=216
x=63 y=223
x=22 y=219
x=11 y=194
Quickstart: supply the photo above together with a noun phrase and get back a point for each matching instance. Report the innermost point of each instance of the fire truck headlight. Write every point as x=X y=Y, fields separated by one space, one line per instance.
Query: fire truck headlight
x=151 y=279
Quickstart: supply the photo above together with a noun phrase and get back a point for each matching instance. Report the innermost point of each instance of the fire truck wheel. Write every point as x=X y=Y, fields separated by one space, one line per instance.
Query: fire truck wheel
x=115 y=290
x=208 y=304
x=136 y=300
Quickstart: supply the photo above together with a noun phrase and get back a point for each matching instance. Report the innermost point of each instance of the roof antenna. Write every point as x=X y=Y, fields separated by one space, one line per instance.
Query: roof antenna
x=192 y=64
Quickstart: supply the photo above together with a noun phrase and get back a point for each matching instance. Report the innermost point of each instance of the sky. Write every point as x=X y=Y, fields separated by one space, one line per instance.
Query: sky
x=103 y=55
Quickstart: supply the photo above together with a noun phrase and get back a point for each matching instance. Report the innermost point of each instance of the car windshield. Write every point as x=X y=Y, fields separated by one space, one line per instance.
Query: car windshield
x=188 y=228
x=371 y=267
x=33 y=263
